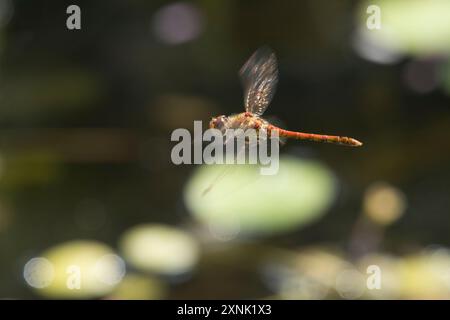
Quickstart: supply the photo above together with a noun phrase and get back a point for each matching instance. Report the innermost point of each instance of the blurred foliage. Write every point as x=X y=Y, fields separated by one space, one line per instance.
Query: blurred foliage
x=241 y=198
x=137 y=287
x=82 y=258
x=412 y=26
x=159 y=249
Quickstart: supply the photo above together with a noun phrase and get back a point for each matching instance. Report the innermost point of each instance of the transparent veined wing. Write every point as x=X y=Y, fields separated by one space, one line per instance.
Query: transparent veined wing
x=259 y=76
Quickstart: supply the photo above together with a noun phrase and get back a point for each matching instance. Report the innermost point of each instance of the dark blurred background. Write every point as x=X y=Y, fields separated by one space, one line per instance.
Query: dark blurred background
x=85 y=170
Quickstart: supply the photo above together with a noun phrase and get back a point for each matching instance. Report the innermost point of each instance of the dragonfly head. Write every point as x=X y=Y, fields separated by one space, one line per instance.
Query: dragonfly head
x=219 y=123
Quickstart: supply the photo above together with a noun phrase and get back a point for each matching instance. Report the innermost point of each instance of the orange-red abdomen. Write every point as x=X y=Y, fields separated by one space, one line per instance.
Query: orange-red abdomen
x=316 y=137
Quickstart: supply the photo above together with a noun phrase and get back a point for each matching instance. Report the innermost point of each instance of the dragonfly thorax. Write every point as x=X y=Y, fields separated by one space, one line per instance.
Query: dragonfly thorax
x=242 y=121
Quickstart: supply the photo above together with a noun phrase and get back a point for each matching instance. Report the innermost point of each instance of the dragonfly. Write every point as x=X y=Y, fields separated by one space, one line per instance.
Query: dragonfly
x=259 y=77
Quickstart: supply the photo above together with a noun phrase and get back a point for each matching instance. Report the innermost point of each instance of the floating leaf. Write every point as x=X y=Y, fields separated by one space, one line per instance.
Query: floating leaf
x=241 y=198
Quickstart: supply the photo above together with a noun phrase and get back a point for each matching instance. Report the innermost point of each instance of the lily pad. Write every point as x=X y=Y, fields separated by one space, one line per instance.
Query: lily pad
x=238 y=197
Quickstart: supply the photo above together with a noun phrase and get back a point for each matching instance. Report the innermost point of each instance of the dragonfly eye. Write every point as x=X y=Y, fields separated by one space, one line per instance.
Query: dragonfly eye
x=218 y=122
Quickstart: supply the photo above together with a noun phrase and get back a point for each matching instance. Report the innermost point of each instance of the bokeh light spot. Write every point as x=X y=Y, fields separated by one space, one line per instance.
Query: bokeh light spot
x=177 y=23
x=87 y=263
x=384 y=203
x=38 y=272
x=369 y=49
x=159 y=248
x=110 y=269
x=421 y=76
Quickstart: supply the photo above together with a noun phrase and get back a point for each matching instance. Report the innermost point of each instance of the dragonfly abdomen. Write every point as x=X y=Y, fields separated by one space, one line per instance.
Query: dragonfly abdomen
x=316 y=137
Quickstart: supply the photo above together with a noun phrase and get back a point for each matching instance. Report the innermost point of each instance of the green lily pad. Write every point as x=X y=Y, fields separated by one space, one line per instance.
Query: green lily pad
x=239 y=198
x=412 y=26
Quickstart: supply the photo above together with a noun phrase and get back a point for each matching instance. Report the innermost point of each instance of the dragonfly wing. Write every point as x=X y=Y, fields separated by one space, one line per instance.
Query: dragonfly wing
x=259 y=76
